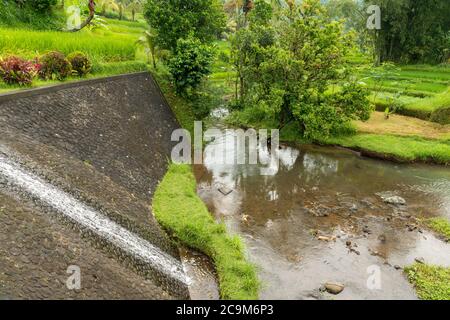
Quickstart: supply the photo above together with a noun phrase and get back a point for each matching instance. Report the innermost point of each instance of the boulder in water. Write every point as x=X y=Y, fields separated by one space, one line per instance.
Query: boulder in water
x=334 y=287
x=395 y=200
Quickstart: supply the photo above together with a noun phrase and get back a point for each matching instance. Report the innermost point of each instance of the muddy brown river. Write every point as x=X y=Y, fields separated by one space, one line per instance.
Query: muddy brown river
x=322 y=217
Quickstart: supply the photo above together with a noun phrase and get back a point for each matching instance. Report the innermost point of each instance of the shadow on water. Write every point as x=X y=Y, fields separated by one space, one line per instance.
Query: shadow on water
x=321 y=217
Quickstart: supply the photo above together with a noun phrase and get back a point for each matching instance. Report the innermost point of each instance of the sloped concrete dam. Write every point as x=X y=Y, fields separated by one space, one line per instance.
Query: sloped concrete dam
x=79 y=164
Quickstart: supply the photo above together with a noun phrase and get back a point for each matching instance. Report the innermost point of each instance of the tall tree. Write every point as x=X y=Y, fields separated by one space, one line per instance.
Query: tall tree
x=286 y=72
x=176 y=19
x=413 y=31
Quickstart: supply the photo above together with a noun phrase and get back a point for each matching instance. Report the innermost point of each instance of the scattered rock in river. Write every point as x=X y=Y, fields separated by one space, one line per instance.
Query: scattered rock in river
x=269 y=223
x=412 y=227
x=351 y=247
x=245 y=218
x=368 y=203
x=420 y=260
x=334 y=287
x=376 y=253
x=326 y=238
x=395 y=200
x=225 y=190
x=367 y=230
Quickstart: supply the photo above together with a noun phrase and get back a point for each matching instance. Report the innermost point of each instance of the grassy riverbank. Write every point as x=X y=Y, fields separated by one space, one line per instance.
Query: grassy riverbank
x=183 y=214
x=430 y=282
x=441 y=226
x=387 y=145
x=396 y=148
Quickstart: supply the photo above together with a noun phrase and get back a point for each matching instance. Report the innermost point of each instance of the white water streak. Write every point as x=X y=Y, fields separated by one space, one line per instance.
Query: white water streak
x=91 y=219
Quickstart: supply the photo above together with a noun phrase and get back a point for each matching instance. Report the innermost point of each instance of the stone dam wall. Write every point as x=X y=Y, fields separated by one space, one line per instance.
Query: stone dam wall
x=104 y=143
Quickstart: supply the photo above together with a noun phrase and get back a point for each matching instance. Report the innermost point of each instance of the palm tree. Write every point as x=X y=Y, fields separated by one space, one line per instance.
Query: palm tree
x=148 y=42
x=134 y=6
x=107 y=4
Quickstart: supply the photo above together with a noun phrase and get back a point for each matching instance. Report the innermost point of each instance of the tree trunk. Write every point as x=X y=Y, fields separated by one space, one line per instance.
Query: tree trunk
x=153 y=52
x=154 y=61
x=241 y=81
x=89 y=18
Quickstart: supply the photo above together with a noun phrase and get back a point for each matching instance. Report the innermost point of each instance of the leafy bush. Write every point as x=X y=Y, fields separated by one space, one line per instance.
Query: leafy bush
x=26 y=14
x=284 y=72
x=190 y=64
x=55 y=66
x=441 y=115
x=115 y=15
x=42 y=5
x=80 y=63
x=174 y=19
x=15 y=70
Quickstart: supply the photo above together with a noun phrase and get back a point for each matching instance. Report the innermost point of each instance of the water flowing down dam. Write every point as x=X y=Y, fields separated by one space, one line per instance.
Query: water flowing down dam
x=79 y=164
x=92 y=220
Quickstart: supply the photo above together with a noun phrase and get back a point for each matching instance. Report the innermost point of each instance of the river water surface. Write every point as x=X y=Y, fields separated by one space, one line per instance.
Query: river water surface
x=321 y=217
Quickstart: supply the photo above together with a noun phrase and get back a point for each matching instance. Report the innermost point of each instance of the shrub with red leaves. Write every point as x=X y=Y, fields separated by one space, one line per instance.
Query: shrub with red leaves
x=15 y=70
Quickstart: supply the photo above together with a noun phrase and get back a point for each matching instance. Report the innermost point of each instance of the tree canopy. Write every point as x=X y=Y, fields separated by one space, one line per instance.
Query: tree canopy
x=287 y=72
x=413 y=31
x=176 y=19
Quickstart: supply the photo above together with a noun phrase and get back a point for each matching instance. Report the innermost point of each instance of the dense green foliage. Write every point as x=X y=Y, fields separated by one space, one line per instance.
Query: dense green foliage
x=185 y=29
x=285 y=72
x=176 y=19
x=431 y=282
x=413 y=31
x=26 y=14
x=55 y=66
x=178 y=208
x=43 y=6
x=190 y=63
x=81 y=64
x=441 y=226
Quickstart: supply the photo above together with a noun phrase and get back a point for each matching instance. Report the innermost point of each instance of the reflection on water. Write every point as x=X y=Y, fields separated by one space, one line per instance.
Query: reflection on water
x=334 y=193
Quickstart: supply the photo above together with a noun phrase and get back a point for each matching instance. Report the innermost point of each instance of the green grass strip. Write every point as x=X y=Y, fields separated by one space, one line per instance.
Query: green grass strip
x=440 y=226
x=183 y=214
x=430 y=282
x=408 y=149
